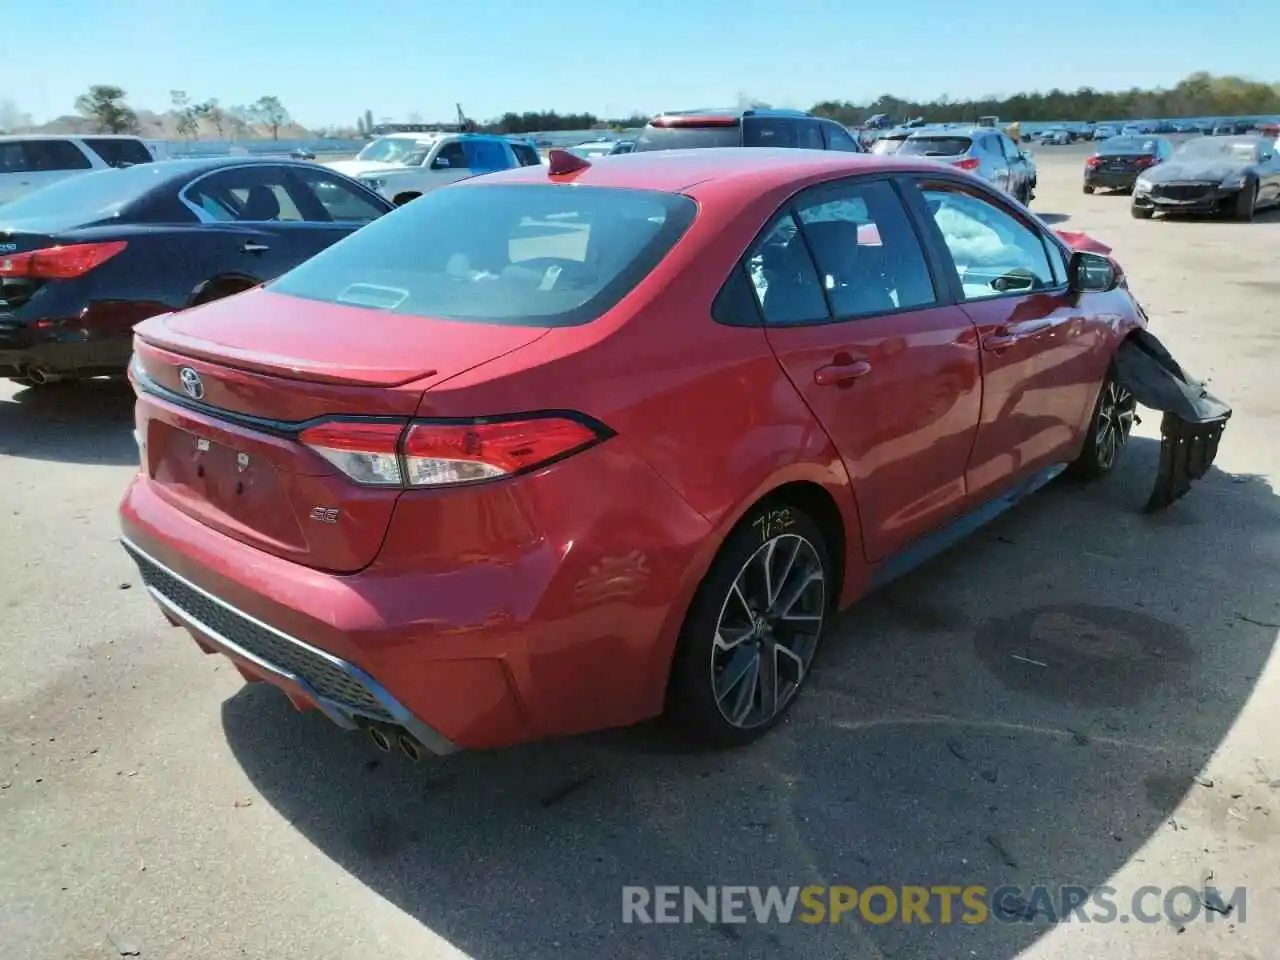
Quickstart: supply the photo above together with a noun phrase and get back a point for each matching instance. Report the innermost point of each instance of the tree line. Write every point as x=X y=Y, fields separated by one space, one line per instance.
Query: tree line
x=1199 y=95
x=106 y=105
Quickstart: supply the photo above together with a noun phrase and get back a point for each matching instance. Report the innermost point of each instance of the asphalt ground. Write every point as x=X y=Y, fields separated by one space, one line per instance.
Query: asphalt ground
x=1077 y=695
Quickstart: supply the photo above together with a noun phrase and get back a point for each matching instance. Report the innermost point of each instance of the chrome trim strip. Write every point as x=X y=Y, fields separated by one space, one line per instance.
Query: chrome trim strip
x=434 y=741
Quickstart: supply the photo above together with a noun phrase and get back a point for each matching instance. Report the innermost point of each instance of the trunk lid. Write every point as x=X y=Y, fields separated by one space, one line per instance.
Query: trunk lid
x=224 y=390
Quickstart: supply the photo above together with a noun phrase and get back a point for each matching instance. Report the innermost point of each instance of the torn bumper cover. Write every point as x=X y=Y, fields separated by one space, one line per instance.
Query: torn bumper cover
x=1193 y=418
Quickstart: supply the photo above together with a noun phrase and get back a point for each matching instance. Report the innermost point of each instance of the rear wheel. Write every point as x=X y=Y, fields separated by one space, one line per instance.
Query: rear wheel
x=219 y=289
x=750 y=636
x=1140 y=213
x=1088 y=188
x=1113 y=418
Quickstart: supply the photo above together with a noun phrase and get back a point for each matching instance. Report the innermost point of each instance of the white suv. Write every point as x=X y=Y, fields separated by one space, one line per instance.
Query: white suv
x=28 y=162
x=402 y=166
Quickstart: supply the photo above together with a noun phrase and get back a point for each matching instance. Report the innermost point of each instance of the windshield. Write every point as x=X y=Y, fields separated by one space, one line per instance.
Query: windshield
x=1223 y=147
x=936 y=146
x=410 y=153
x=1128 y=145
x=85 y=198
x=885 y=145
x=537 y=255
x=688 y=137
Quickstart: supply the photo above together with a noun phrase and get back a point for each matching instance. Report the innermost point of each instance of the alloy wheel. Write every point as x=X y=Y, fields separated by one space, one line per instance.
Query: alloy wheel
x=1116 y=413
x=768 y=631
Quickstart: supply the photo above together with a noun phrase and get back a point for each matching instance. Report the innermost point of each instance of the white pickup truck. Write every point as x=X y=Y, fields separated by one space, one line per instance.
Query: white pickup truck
x=402 y=166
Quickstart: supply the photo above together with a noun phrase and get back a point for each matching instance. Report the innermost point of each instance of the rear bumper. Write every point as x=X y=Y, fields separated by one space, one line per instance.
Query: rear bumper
x=571 y=630
x=63 y=346
x=1111 y=180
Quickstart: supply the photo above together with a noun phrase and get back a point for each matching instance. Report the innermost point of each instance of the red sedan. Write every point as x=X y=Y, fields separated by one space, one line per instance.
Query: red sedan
x=568 y=447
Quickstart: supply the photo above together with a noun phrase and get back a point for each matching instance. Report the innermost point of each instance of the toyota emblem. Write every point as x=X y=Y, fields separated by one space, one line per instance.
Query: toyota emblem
x=192 y=385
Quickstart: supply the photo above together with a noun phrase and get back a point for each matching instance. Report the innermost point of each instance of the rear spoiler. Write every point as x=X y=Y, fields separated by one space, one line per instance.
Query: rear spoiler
x=1193 y=421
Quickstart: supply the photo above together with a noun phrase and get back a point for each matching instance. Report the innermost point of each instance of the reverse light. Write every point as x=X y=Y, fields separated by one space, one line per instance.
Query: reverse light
x=433 y=453
x=968 y=163
x=59 y=263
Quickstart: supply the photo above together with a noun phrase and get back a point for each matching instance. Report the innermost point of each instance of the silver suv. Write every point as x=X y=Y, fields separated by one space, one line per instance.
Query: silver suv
x=987 y=153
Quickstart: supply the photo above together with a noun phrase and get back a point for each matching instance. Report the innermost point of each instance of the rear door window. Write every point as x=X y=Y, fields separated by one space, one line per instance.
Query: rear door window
x=45 y=155
x=868 y=256
x=537 y=255
x=118 y=153
x=768 y=132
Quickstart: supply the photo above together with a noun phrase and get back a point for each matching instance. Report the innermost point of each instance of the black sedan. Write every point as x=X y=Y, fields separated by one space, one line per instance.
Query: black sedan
x=1116 y=163
x=84 y=259
x=1233 y=175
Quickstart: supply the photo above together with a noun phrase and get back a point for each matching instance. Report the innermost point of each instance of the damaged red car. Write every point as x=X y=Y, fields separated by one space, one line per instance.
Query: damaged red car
x=569 y=447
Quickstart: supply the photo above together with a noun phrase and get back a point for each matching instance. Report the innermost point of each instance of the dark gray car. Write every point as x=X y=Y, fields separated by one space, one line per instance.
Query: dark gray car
x=1235 y=175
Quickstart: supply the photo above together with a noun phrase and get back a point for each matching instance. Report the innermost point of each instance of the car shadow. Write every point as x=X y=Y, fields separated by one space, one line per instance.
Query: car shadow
x=1054 y=218
x=86 y=422
x=1031 y=707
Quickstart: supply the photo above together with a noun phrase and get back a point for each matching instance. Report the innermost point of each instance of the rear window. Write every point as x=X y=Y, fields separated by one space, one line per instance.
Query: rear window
x=884 y=145
x=936 y=146
x=84 y=199
x=688 y=137
x=1128 y=145
x=526 y=154
x=119 y=153
x=536 y=255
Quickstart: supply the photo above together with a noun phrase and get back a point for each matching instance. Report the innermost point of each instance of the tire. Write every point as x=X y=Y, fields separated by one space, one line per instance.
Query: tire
x=1140 y=213
x=1246 y=203
x=402 y=198
x=1114 y=414
x=723 y=637
x=1088 y=189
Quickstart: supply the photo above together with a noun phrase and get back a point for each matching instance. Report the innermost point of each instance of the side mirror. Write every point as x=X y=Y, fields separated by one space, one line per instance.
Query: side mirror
x=1091 y=273
x=440 y=163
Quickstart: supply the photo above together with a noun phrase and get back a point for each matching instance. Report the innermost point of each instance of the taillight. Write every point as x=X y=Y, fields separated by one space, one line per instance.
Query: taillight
x=968 y=163
x=1093 y=161
x=59 y=263
x=1143 y=162
x=433 y=453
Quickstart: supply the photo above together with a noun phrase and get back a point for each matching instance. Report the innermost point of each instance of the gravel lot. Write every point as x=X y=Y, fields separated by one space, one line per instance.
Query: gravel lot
x=153 y=803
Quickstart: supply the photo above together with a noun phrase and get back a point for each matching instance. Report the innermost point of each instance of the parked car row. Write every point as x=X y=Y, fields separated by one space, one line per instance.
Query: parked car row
x=1232 y=174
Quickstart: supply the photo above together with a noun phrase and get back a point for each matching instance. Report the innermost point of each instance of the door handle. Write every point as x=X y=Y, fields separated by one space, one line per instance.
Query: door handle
x=996 y=342
x=252 y=246
x=841 y=373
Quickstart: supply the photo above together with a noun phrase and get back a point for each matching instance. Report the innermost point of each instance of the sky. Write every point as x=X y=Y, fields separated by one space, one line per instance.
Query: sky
x=329 y=61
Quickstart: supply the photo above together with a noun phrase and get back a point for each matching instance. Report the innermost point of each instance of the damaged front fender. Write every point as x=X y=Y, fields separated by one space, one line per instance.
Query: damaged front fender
x=1193 y=420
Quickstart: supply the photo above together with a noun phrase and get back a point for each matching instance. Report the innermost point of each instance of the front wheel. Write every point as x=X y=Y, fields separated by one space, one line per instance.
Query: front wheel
x=1247 y=202
x=1113 y=417
x=750 y=636
x=1140 y=213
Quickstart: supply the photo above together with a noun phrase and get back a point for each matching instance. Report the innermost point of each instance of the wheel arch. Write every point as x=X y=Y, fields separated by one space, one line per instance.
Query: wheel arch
x=822 y=491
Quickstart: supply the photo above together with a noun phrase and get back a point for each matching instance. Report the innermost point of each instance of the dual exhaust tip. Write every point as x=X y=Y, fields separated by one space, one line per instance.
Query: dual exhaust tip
x=388 y=738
